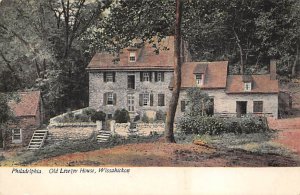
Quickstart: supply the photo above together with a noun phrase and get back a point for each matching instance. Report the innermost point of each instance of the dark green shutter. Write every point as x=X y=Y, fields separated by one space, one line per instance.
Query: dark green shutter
x=104 y=99
x=141 y=76
x=155 y=76
x=141 y=100
x=115 y=99
x=162 y=77
x=114 y=77
x=151 y=99
x=104 y=76
x=150 y=76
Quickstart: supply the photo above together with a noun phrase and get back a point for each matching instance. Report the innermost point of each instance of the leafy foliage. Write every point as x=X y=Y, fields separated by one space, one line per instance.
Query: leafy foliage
x=121 y=116
x=215 y=125
x=98 y=116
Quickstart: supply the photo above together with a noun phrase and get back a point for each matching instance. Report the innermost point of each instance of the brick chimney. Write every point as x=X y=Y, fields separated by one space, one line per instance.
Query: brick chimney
x=273 y=74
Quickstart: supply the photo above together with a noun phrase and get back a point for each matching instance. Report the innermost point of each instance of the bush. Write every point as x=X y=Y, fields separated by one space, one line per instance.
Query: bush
x=89 y=111
x=82 y=118
x=161 y=115
x=121 y=116
x=98 y=116
x=145 y=119
x=216 y=125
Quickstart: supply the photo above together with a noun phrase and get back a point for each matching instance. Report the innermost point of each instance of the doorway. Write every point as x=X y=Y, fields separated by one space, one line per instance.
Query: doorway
x=241 y=108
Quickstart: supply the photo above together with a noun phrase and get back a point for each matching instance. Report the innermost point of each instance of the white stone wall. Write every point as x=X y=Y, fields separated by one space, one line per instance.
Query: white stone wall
x=97 y=87
x=227 y=102
x=121 y=128
x=71 y=133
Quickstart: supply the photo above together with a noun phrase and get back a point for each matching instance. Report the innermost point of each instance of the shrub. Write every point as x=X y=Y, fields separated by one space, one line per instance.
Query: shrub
x=216 y=126
x=136 y=118
x=98 y=116
x=89 y=111
x=121 y=116
x=82 y=118
x=160 y=115
x=145 y=118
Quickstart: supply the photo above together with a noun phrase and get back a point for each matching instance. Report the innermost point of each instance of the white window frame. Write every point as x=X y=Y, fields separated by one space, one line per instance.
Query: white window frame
x=132 y=57
x=146 y=99
x=130 y=102
x=199 y=79
x=16 y=141
x=159 y=76
x=247 y=86
x=146 y=76
x=109 y=77
x=110 y=98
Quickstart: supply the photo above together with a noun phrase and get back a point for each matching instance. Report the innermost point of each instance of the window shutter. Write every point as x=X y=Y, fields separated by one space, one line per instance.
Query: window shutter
x=141 y=76
x=115 y=99
x=151 y=99
x=150 y=76
x=104 y=76
x=162 y=99
x=141 y=100
x=162 y=77
x=182 y=106
x=114 y=77
x=104 y=99
x=155 y=76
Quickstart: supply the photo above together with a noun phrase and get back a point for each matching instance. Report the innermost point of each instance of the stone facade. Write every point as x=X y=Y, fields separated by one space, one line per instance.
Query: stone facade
x=97 y=88
x=226 y=103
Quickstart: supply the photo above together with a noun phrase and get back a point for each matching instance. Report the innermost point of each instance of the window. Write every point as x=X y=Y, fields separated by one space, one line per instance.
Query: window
x=131 y=82
x=109 y=98
x=146 y=76
x=16 y=135
x=146 y=99
x=159 y=76
x=109 y=77
x=199 y=79
x=132 y=57
x=257 y=106
x=161 y=99
x=130 y=102
x=247 y=86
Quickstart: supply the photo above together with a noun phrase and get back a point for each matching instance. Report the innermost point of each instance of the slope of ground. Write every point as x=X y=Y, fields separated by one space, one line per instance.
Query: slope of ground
x=163 y=154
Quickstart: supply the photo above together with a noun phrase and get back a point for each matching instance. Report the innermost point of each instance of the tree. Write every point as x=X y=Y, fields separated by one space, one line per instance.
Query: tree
x=169 y=134
x=198 y=102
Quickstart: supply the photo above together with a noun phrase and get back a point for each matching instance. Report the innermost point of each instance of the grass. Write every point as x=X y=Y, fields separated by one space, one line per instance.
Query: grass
x=26 y=157
x=260 y=143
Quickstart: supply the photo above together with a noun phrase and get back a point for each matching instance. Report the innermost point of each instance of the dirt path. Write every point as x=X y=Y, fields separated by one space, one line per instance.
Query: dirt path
x=288 y=132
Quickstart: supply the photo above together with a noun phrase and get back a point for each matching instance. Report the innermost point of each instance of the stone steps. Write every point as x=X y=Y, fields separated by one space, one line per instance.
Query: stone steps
x=103 y=136
x=37 y=140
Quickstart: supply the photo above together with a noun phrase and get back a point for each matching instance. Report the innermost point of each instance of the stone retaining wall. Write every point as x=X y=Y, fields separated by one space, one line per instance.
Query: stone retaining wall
x=71 y=133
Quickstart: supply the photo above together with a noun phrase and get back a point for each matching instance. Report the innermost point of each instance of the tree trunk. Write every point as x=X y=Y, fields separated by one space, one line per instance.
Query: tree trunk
x=169 y=133
x=238 y=42
x=294 y=67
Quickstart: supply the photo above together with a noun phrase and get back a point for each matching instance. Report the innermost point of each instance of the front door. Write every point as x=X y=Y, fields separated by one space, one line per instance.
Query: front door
x=241 y=108
x=130 y=102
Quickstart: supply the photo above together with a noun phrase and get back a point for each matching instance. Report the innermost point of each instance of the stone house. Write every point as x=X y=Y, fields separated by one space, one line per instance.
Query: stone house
x=29 y=116
x=141 y=81
x=231 y=95
x=138 y=81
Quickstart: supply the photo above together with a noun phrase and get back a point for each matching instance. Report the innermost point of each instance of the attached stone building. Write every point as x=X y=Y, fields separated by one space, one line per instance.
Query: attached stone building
x=29 y=116
x=141 y=80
